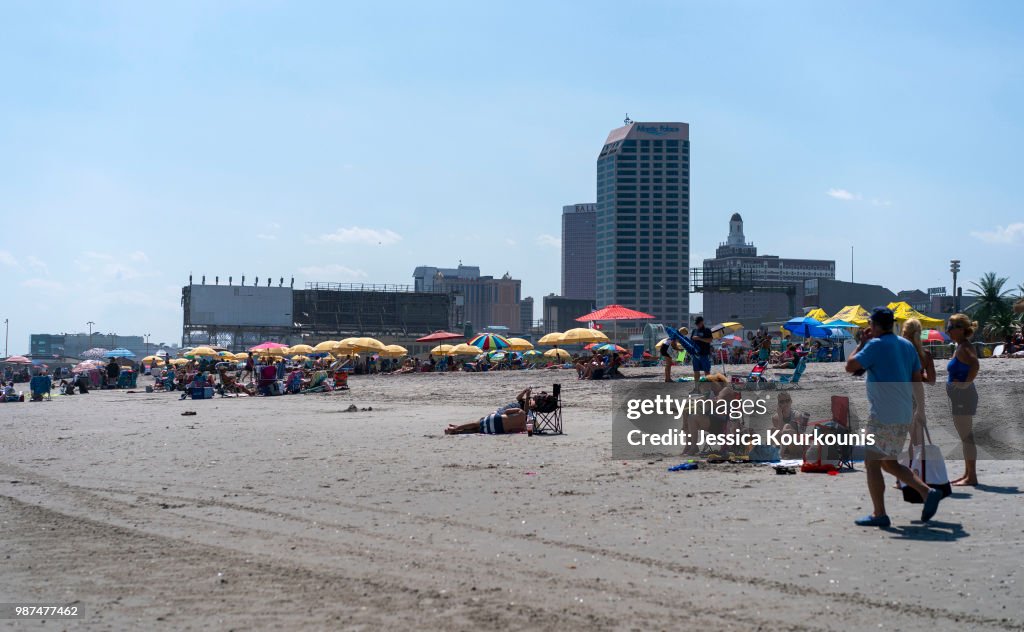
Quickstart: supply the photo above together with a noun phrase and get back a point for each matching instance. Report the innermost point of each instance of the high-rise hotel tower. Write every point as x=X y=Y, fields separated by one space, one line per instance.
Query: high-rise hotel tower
x=643 y=219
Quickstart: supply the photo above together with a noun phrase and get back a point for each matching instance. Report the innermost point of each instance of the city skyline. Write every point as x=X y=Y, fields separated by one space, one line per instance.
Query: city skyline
x=153 y=142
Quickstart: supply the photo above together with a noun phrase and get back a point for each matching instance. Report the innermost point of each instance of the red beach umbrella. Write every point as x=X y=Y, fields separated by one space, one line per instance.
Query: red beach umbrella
x=18 y=360
x=263 y=346
x=614 y=312
x=438 y=336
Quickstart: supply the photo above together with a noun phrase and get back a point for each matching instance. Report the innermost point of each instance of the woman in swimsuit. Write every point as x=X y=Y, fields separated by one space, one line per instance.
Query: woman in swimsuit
x=963 y=395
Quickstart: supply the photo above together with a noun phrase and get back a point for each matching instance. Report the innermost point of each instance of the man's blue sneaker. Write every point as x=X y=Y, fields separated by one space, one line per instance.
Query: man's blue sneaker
x=931 y=505
x=873 y=521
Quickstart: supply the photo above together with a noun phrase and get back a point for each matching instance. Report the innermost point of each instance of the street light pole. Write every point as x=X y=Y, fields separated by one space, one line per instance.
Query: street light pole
x=90 y=323
x=147 y=345
x=6 y=321
x=954 y=267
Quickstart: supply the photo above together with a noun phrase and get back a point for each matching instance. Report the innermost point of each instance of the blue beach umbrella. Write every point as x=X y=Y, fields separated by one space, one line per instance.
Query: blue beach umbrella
x=806 y=327
x=120 y=353
x=840 y=324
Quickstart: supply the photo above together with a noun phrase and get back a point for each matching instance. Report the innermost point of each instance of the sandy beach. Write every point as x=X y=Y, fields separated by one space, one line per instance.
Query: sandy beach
x=289 y=513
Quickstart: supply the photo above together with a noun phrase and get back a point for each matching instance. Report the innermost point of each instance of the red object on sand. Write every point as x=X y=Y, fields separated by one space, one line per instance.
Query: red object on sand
x=437 y=336
x=614 y=312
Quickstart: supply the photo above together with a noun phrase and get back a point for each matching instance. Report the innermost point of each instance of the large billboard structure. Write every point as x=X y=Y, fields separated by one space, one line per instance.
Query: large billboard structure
x=238 y=317
x=235 y=316
x=341 y=310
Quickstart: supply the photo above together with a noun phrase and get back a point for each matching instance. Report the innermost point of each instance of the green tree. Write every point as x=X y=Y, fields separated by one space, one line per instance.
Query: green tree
x=1000 y=327
x=990 y=298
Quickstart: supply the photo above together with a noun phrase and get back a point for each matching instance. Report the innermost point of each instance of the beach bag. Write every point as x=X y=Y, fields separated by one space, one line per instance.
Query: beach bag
x=928 y=463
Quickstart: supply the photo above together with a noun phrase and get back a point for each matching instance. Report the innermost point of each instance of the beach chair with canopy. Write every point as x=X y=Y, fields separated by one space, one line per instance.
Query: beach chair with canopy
x=550 y=419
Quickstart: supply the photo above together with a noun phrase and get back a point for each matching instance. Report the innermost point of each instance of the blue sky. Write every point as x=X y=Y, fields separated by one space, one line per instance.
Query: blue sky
x=353 y=141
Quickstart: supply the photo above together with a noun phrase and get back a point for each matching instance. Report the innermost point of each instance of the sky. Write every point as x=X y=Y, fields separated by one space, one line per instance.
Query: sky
x=351 y=142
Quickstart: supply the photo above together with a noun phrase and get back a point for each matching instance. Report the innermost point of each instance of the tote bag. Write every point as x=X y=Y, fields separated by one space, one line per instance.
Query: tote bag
x=927 y=461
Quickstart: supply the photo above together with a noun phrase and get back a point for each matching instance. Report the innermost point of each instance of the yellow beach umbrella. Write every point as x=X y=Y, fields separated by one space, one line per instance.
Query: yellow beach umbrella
x=560 y=354
x=554 y=338
x=721 y=329
x=149 y=359
x=441 y=350
x=344 y=348
x=301 y=349
x=394 y=351
x=177 y=361
x=364 y=344
x=325 y=347
x=582 y=336
x=518 y=344
x=464 y=349
x=299 y=357
x=203 y=352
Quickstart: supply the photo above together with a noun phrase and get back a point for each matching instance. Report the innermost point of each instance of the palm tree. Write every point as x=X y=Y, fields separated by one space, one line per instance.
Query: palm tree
x=1000 y=327
x=991 y=297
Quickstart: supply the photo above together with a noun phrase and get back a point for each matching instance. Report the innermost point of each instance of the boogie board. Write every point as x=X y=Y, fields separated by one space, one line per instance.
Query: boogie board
x=683 y=341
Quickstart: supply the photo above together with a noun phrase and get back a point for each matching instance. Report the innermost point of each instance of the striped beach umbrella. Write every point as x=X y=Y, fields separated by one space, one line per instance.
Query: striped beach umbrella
x=490 y=342
x=934 y=335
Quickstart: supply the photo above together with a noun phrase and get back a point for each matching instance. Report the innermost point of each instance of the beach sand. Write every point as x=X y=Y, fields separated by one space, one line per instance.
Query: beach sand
x=288 y=513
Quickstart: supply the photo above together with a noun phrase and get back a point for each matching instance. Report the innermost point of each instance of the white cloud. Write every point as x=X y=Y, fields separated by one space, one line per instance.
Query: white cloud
x=879 y=202
x=139 y=256
x=8 y=259
x=42 y=284
x=842 y=194
x=549 y=240
x=37 y=264
x=334 y=271
x=510 y=242
x=272 y=234
x=1009 y=234
x=111 y=267
x=357 y=235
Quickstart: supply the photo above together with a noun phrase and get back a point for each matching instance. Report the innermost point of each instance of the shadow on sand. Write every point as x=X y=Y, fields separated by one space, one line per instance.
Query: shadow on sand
x=996 y=489
x=933 y=531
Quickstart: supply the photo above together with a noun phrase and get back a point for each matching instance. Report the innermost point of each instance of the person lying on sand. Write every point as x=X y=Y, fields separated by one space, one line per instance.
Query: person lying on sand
x=511 y=421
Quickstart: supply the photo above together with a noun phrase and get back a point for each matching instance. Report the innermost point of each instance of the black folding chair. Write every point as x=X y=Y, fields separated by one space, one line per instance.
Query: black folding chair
x=550 y=421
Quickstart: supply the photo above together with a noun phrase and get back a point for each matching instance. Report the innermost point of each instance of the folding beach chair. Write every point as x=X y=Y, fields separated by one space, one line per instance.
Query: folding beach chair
x=794 y=377
x=827 y=457
x=757 y=374
x=637 y=356
x=550 y=418
x=40 y=386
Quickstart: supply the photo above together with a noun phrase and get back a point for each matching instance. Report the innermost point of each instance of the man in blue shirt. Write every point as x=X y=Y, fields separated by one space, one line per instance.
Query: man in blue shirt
x=893 y=380
x=701 y=337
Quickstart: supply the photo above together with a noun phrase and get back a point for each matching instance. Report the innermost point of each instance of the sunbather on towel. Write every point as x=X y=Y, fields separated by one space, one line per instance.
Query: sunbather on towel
x=511 y=421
